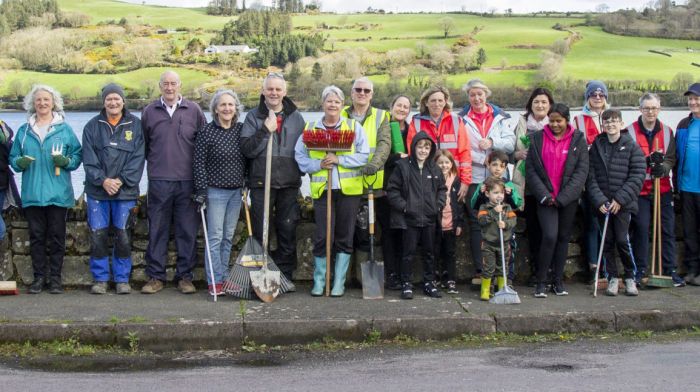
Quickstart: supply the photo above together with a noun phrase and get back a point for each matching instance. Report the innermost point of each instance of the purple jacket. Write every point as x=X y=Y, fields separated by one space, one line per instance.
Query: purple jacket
x=170 y=141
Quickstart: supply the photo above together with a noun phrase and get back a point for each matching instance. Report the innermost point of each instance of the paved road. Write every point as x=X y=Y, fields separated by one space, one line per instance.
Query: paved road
x=587 y=365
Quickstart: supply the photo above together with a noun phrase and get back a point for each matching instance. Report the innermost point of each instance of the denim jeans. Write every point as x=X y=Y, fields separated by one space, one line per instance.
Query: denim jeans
x=101 y=215
x=223 y=208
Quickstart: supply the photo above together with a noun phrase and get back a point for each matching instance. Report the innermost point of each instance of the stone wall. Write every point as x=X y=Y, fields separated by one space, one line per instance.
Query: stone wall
x=15 y=262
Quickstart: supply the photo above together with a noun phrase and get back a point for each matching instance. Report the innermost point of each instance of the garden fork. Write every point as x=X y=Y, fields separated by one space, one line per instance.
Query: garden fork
x=57 y=149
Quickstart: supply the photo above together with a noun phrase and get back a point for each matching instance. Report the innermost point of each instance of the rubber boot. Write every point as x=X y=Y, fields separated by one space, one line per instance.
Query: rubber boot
x=500 y=283
x=342 y=261
x=485 y=289
x=319 y=276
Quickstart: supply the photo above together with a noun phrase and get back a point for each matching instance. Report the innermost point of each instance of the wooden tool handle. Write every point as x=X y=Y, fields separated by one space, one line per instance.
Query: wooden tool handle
x=58 y=171
x=329 y=191
x=247 y=213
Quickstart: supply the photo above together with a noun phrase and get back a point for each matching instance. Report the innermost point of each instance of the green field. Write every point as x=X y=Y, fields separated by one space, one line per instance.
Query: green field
x=90 y=85
x=167 y=17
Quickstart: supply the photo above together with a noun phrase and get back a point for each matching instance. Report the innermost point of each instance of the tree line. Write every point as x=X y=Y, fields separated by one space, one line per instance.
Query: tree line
x=663 y=19
x=20 y=14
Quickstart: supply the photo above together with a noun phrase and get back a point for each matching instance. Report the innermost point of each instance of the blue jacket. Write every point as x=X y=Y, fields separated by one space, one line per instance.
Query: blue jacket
x=40 y=185
x=681 y=145
x=113 y=152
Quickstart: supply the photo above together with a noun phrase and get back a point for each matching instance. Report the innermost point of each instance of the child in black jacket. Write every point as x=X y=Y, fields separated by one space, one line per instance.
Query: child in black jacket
x=451 y=224
x=416 y=193
x=617 y=171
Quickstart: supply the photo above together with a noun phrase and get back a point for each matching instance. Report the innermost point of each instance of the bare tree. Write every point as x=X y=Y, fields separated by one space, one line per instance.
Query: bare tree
x=446 y=24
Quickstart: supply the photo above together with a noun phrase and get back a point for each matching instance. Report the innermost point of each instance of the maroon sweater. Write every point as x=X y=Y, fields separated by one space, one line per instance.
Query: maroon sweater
x=170 y=141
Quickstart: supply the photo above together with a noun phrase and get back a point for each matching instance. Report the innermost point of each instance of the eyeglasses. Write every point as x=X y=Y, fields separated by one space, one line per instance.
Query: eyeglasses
x=597 y=95
x=649 y=110
x=362 y=90
x=611 y=121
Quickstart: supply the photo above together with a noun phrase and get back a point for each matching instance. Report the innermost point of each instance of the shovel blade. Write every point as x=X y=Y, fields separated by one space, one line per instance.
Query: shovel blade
x=266 y=284
x=372 y=280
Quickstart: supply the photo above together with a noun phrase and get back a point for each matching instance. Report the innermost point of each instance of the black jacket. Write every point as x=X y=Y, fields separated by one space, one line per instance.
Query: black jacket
x=575 y=169
x=254 y=137
x=616 y=171
x=5 y=172
x=457 y=207
x=416 y=195
x=113 y=152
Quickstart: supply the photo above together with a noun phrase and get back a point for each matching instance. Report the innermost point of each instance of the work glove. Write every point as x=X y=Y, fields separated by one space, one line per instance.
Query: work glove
x=60 y=160
x=24 y=161
x=201 y=200
x=369 y=170
x=656 y=158
x=657 y=170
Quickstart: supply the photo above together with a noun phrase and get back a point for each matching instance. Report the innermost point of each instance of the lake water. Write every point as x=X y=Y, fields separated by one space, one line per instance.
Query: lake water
x=77 y=121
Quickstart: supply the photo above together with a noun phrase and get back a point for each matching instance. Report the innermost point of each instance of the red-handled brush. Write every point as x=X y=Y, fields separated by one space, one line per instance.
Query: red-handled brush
x=8 y=288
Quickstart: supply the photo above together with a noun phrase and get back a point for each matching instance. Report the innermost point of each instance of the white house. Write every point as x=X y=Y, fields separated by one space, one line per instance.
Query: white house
x=229 y=49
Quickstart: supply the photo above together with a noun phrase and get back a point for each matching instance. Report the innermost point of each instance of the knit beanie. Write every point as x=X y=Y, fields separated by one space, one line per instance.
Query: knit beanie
x=596 y=86
x=112 y=88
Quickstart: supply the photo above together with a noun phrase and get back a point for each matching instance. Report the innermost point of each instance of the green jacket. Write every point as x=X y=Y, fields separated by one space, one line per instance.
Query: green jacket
x=40 y=185
x=488 y=218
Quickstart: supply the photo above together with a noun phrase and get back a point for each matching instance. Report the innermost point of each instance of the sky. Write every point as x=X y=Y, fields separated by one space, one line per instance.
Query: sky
x=440 y=5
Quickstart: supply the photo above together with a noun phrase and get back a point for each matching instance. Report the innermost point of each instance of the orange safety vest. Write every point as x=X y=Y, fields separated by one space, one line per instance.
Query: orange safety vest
x=663 y=138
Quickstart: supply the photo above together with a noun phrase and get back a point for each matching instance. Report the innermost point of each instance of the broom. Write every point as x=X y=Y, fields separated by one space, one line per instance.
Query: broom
x=656 y=256
x=237 y=284
x=506 y=295
x=329 y=140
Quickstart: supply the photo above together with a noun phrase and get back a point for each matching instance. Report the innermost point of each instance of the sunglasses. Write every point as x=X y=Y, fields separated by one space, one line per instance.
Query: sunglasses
x=597 y=95
x=362 y=90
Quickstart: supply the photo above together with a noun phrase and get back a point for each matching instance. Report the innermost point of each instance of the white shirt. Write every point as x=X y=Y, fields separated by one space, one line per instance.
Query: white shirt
x=172 y=109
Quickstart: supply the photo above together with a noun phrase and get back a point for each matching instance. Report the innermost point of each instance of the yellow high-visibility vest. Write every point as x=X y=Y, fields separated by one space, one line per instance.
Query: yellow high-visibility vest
x=350 y=179
x=371 y=126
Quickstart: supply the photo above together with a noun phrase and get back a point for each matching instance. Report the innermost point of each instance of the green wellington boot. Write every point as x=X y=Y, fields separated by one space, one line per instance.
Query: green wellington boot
x=485 y=289
x=342 y=261
x=319 y=276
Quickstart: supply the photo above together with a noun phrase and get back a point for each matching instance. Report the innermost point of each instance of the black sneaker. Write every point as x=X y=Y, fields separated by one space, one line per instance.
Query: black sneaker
x=55 y=286
x=407 y=291
x=558 y=289
x=540 y=291
x=393 y=282
x=452 y=287
x=431 y=291
x=677 y=280
x=36 y=286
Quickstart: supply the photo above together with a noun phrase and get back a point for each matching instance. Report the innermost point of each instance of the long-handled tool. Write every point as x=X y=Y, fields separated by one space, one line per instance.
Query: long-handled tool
x=372 y=270
x=600 y=254
x=250 y=258
x=57 y=149
x=657 y=279
x=266 y=282
x=506 y=295
x=206 y=246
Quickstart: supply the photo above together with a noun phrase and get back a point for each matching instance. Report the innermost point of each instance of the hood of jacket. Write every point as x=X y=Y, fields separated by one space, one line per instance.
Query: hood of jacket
x=288 y=107
x=547 y=132
x=421 y=136
x=57 y=119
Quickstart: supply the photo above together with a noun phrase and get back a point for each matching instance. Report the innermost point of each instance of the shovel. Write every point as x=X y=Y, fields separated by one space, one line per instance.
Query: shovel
x=372 y=271
x=266 y=282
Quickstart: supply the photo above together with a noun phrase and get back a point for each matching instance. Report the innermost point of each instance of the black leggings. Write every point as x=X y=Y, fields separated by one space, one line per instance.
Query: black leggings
x=557 y=224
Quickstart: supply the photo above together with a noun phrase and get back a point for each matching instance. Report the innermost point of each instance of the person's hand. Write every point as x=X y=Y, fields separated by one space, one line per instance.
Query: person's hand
x=603 y=208
x=111 y=185
x=657 y=170
x=483 y=188
x=498 y=208
x=24 y=161
x=614 y=207
x=508 y=191
x=520 y=155
x=549 y=201
x=462 y=193
x=368 y=170
x=200 y=199
x=501 y=224
x=271 y=121
x=329 y=161
x=60 y=160
x=458 y=231
x=485 y=144
x=403 y=155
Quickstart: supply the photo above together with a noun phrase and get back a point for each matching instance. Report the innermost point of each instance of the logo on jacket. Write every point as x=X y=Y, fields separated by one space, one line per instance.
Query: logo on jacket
x=128 y=135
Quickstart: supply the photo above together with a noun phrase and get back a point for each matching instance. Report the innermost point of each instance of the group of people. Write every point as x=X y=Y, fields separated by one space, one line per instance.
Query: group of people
x=434 y=176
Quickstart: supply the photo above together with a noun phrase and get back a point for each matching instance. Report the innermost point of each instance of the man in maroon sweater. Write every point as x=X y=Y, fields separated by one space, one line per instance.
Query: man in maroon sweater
x=170 y=124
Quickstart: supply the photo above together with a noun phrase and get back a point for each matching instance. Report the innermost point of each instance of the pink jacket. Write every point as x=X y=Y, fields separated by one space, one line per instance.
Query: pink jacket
x=554 y=153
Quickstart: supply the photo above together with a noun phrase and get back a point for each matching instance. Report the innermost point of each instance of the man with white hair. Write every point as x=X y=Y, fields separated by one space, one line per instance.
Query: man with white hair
x=170 y=124
x=658 y=145
x=275 y=117
x=376 y=125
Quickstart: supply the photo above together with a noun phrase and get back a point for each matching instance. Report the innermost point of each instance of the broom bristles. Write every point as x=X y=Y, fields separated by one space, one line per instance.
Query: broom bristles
x=505 y=296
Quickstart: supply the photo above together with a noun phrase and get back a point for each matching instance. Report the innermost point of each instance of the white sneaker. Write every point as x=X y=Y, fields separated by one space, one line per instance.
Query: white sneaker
x=613 y=285
x=631 y=288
